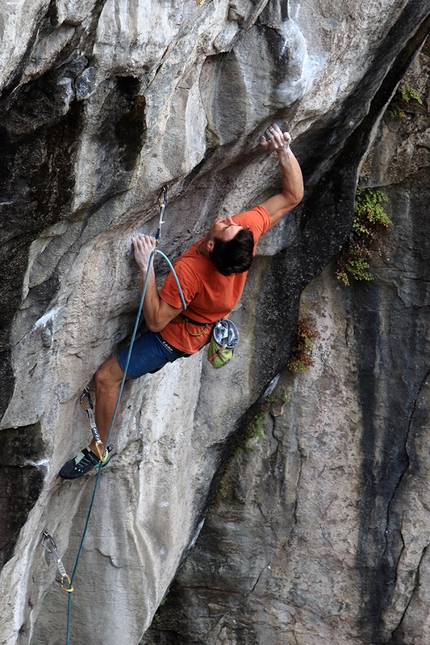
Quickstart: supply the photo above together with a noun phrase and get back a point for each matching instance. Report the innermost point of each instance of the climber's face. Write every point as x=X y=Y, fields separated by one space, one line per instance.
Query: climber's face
x=224 y=228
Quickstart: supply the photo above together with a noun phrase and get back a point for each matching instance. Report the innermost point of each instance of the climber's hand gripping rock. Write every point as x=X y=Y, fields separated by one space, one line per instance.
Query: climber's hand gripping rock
x=275 y=139
x=143 y=247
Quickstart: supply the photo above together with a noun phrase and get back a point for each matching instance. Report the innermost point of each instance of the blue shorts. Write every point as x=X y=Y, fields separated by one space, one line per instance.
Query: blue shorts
x=150 y=353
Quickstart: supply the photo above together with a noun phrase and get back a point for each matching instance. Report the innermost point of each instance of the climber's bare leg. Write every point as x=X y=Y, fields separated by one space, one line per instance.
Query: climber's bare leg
x=108 y=381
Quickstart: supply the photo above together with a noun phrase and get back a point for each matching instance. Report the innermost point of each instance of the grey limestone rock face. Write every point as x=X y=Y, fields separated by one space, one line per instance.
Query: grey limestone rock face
x=102 y=103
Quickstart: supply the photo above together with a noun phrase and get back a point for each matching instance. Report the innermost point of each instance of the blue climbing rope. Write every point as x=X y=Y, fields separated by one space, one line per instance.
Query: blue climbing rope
x=99 y=467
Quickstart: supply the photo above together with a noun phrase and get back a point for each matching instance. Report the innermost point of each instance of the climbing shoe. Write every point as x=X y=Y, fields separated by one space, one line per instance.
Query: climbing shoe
x=82 y=464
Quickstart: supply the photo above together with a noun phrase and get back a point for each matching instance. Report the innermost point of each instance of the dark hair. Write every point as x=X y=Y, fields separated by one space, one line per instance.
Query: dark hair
x=234 y=256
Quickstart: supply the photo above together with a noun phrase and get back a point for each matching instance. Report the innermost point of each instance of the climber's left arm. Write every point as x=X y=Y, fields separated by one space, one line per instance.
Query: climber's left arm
x=292 y=179
x=157 y=312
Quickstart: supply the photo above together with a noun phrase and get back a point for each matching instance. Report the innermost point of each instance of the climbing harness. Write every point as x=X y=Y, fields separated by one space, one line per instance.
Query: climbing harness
x=87 y=404
x=162 y=203
x=186 y=320
x=48 y=543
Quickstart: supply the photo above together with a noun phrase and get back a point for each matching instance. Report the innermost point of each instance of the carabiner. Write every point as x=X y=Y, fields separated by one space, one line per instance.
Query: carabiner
x=69 y=589
x=162 y=197
x=162 y=203
x=87 y=405
x=47 y=537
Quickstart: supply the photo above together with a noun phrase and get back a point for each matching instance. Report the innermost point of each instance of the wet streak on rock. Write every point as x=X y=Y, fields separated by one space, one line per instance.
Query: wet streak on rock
x=384 y=458
x=228 y=97
x=121 y=135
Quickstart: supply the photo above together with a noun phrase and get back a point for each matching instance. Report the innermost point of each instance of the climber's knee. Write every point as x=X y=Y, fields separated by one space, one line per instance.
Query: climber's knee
x=109 y=375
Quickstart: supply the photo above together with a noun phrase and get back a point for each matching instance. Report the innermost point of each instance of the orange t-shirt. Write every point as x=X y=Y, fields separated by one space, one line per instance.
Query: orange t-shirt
x=208 y=294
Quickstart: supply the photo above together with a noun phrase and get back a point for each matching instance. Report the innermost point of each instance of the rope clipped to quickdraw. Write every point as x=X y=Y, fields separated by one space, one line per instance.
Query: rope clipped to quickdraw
x=52 y=548
x=121 y=389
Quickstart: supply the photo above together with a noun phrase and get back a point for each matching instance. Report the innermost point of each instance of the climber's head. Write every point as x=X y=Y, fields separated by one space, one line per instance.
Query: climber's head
x=229 y=246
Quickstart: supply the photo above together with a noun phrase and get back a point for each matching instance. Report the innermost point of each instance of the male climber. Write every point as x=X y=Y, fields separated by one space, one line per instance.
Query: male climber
x=212 y=276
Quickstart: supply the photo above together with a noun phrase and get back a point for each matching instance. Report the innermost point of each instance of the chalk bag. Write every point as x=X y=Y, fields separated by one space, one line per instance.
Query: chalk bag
x=225 y=337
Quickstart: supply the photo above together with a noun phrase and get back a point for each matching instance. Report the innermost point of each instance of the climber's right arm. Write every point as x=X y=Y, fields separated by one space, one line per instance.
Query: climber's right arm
x=156 y=311
x=292 y=179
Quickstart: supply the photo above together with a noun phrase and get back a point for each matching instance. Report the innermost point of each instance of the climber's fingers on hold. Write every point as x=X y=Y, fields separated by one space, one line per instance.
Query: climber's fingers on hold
x=274 y=138
x=141 y=241
x=143 y=247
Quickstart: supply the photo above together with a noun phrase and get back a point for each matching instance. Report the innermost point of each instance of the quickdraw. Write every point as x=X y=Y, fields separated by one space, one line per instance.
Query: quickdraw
x=53 y=549
x=162 y=202
x=86 y=403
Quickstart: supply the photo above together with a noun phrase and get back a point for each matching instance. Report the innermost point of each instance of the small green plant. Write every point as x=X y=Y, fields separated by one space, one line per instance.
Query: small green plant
x=223 y=488
x=157 y=617
x=408 y=93
x=370 y=221
x=286 y=398
x=301 y=360
x=255 y=429
x=404 y=95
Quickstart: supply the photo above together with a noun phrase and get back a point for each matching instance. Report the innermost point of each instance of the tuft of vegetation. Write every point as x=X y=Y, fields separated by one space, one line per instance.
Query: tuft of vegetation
x=301 y=360
x=255 y=429
x=370 y=221
x=223 y=491
x=404 y=95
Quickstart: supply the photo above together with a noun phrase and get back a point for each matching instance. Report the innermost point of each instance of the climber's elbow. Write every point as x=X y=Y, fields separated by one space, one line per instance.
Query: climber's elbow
x=155 y=326
x=160 y=316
